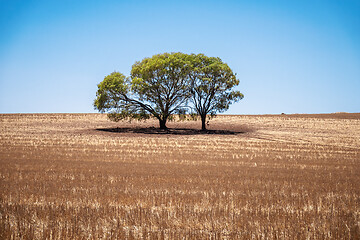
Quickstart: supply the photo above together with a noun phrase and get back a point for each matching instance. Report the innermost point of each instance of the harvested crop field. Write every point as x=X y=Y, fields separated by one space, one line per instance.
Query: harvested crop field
x=80 y=176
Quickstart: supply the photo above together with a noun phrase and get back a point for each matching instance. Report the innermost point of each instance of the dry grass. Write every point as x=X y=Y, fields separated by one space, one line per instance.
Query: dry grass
x=279 y=177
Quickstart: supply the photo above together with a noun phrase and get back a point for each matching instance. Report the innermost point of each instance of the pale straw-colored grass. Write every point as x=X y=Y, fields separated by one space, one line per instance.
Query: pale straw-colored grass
x=280 y=177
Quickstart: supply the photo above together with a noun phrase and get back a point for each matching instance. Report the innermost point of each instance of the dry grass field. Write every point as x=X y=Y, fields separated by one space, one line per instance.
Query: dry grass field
x=80 y=176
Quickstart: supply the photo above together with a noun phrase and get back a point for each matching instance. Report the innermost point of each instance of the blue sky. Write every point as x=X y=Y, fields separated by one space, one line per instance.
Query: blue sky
x=290 y=56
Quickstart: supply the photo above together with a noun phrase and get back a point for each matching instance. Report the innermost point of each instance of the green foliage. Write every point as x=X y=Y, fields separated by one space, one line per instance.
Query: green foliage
x=162 y=85
x=111 y=92
x=162 y=82
x=159 y=87
x=126 y=115
x=212 y=83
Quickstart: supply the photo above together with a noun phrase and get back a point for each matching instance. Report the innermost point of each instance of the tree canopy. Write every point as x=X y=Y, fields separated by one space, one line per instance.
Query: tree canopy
x=165 y=84
x=159 y=86
x=212 y=83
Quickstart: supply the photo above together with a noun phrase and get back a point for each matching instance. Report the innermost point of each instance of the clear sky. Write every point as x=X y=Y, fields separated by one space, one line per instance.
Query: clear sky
x=290 y=56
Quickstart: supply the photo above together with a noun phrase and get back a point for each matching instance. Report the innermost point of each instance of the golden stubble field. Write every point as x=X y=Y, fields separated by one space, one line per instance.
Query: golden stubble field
x=64 y=176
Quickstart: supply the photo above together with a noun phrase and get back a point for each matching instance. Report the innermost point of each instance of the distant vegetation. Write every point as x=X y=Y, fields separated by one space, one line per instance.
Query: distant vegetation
x=168 y=84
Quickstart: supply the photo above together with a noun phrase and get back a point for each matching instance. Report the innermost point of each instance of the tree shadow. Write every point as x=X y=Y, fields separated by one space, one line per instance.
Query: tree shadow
x=169 y=131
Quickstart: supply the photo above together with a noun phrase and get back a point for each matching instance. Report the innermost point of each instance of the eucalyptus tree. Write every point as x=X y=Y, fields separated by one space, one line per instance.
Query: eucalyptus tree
x=158 y=87
x=212 y=86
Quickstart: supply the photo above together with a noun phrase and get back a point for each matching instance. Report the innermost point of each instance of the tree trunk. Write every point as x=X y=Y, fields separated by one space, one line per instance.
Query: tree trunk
x=203 y=122
x=162 y=123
